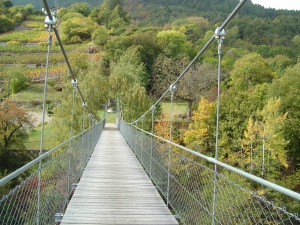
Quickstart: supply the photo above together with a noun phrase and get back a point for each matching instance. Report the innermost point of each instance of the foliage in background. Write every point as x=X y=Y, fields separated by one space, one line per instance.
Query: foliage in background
x=93 y=85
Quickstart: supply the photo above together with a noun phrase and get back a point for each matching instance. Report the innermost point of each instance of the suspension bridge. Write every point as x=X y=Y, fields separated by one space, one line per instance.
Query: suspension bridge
x=122 y=174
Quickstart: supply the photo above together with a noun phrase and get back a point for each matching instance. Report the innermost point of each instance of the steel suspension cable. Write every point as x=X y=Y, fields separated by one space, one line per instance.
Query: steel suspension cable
x=63 y=50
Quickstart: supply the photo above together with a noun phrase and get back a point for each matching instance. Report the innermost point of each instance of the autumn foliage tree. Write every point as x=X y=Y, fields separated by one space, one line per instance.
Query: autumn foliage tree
x=199 y=136
x=15 y=122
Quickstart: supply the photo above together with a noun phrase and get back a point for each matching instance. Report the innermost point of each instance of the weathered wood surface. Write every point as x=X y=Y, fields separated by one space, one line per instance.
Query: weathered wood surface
x=114 y=188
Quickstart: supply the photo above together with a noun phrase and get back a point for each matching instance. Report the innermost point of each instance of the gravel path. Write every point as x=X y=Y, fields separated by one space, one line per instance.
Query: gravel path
x=38 y=116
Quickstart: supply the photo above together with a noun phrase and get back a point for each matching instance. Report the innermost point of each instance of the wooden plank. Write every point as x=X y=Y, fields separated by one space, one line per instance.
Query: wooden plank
x=114 y=188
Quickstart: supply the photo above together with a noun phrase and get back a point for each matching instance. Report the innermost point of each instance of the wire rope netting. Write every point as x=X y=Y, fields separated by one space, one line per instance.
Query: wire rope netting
x=190 y=191
x=59 y=174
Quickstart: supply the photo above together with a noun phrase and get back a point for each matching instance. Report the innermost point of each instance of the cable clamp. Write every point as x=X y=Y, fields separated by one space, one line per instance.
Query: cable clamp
x=220 y=34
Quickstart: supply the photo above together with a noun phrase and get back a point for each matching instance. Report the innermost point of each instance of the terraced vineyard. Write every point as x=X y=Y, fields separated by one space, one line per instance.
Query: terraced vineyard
x=24 y=50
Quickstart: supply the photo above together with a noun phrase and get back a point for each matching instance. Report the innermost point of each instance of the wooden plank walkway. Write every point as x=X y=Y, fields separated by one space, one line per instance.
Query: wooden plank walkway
x=114 y=188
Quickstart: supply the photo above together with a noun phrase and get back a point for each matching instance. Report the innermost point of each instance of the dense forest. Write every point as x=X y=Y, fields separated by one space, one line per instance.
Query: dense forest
x=138 y=47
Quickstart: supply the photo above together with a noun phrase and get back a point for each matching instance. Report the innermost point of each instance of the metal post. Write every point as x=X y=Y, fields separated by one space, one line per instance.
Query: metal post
x=74 y=86
x=89 y=138
x=94 y=133
x=82 y=140
x=263 y=155
x=135 y=138
x=142 y=146
x=49 y=24
x=172 y=90
x=152 y=130
x=220 y=36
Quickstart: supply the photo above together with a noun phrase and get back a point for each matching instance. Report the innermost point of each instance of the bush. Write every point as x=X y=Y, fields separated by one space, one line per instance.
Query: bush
x=18 y=82
x=51 y=83
x=14 y=43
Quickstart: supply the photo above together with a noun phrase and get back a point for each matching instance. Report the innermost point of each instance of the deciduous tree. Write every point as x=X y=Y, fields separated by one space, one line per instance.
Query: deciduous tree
x=196 y=82
x=272 y=134
x=287 y=89
x=200 y=135
x=127 y=80
x=14 y=124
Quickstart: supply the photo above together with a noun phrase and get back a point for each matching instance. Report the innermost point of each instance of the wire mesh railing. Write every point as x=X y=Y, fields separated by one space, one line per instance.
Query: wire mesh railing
x=60 y=170
x=186 y=179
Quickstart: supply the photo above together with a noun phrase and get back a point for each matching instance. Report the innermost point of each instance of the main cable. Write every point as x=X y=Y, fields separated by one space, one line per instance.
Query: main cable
x=64 y=52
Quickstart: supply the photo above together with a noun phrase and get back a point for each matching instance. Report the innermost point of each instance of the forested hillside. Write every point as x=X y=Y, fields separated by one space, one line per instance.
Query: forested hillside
x=138 y=48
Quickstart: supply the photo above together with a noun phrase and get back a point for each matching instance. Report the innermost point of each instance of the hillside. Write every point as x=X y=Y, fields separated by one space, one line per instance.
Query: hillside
x=160 y=12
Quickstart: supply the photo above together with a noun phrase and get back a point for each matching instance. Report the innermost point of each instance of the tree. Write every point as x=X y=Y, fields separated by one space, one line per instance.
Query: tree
x=115 y=47
x=193 y=27
x=82 y=8
x=6 y=24
x=248 y=85
x=200 y=136
x=17 y=82
x=272 y=134
x=287 y=89
x=14 y=125
x=149 y=49
x=77 y=30
x=118 y=4
x=100 y=36
x=196 y=82
x=249 y=71
x=111 y=15
x=95 y=90
x=249 y=144
x=279 y=63
x=127 y=80
x=174 y=43
x=296 y=41
x=101 y=14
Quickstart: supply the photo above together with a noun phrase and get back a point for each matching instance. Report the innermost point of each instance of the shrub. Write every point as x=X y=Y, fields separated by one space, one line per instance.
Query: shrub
x=51 y=83
x=18 y=82
x=14 y=43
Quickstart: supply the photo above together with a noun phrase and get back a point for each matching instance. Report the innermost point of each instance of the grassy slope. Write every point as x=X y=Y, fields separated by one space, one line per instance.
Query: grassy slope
x=178 y=108
x=34 y=92
x=33 y=142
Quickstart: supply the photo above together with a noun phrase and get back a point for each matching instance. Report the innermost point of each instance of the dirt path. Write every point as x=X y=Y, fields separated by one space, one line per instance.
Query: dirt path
x=38 y=116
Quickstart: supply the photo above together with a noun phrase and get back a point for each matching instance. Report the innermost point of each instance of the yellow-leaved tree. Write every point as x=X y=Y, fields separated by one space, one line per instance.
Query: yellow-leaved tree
x=272 y=133
x=249 y=144
x=263 y=144
x=199 y=136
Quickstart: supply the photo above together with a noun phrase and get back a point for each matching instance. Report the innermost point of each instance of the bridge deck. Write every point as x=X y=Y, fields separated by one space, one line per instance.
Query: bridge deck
x=114 y=188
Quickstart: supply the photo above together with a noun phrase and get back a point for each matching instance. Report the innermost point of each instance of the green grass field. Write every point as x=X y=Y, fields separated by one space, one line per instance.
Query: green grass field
x=178 y=108
x=110 y=117
x=33 y=142
x=35 y=92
